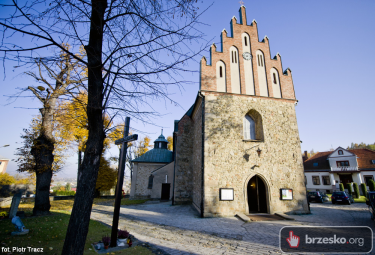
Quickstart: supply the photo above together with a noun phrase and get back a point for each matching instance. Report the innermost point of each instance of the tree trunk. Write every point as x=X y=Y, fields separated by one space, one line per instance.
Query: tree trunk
x=79 y=220
x=42 y=152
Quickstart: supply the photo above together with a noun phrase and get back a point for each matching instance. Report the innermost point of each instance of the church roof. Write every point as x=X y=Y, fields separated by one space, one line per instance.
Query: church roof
x=161 y=138
x=155 y=155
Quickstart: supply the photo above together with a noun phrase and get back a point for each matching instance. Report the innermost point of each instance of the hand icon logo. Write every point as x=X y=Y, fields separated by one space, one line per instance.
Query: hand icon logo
x=293 y=240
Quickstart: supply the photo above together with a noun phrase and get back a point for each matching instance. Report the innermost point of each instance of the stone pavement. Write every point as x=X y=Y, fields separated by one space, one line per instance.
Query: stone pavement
x=180 y=230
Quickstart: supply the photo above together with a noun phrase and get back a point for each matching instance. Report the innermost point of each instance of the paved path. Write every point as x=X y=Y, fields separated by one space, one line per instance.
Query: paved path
x=179 y=230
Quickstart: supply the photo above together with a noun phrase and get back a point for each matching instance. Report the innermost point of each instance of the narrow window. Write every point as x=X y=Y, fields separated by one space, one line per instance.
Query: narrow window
x=258 y=60
x=245 y=41
x=249 y=128
x=166 y=178
x=274 y=78
x=150 y=181
x=232 y=57
x=221 y=72
x=261 y=60
x=235 y=57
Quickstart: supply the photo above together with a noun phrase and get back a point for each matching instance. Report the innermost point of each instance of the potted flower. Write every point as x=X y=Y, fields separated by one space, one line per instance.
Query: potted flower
x=106 y=241
x=122 y=235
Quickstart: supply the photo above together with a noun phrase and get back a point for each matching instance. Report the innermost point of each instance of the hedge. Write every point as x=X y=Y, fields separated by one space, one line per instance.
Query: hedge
x=65 y=193
x=371 y=185
x=341 y=187
x=356 y=190
x=349 y=187
x=364 y=189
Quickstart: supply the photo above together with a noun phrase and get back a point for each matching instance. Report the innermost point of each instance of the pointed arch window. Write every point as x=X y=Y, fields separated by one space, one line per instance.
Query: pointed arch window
x=249 y=128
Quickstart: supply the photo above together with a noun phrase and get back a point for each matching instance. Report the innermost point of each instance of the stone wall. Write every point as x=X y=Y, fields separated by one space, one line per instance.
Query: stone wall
x=141 y=174
x=183 y=170
x=230 y=161
x=159 y=178
x=197 y=156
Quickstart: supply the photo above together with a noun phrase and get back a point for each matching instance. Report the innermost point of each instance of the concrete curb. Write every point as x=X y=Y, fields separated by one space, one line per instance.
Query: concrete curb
x=283 y=215
x=243 y=217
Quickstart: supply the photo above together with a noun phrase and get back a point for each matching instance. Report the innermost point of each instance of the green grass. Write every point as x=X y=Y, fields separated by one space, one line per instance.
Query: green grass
x=49 y=231
x=127 y=201
x=361 y=199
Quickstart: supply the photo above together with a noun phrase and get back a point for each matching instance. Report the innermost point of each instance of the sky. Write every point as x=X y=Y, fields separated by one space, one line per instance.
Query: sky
x=328 y=45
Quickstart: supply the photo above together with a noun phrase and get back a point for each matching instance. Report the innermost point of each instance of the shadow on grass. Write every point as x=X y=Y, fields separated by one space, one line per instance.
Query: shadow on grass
x=48 y=233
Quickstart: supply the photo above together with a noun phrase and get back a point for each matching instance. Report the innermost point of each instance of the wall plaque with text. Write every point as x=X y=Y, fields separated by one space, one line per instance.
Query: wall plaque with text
x=226 y=194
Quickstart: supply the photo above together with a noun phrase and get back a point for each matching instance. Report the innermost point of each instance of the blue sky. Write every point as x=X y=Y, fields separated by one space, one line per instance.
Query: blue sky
x=328 y=45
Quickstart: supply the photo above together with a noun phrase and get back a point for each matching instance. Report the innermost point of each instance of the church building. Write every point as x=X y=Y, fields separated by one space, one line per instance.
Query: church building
x=237 y=149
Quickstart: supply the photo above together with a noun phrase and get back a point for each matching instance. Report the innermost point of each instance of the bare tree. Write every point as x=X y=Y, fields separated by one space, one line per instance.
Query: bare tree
x=61 y=77
x=134 y=51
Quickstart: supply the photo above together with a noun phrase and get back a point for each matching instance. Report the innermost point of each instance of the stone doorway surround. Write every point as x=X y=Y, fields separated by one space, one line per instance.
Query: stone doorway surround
x=267 y=190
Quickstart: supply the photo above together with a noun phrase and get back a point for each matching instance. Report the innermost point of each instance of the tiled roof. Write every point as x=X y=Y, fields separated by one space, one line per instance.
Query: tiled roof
x=156 y=155
x=320 y=158
x=364 y=157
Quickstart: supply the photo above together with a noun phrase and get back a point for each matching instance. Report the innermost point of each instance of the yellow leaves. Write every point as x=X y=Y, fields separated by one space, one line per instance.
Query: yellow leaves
x=6 y=179
x=170 y=143
x=143 y=146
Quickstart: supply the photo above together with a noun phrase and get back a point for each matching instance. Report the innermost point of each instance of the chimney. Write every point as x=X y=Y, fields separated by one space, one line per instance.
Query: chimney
x=305 y=157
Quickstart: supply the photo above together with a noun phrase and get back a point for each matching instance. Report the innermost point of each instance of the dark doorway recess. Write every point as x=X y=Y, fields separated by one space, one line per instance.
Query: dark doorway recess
x=256 y=195
x=346 y=178
x=165 y=191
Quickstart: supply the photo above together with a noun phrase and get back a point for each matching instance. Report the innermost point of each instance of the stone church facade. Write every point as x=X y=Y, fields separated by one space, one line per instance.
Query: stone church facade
x=240 y=135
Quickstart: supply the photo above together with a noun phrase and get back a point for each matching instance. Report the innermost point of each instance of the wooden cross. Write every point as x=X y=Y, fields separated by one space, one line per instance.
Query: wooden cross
x=120 y=179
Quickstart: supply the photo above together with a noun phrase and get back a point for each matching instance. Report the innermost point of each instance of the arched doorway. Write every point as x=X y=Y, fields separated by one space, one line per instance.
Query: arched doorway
x=256 y=195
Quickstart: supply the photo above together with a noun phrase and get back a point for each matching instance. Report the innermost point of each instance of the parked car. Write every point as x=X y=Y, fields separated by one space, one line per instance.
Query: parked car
x=315 y=196
x=341 y=197
x=370 y=201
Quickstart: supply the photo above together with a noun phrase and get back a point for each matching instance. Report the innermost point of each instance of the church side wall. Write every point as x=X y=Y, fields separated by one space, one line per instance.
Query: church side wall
x=197 y=158
x=230 y=161
x=143 y=172
x=183 y=169
x=159 y=179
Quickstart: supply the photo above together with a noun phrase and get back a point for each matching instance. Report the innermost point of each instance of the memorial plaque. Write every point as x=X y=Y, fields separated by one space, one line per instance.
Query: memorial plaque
x=226 y=194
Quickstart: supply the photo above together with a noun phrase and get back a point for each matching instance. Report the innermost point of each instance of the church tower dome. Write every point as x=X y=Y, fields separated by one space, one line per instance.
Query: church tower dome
x=161 y=142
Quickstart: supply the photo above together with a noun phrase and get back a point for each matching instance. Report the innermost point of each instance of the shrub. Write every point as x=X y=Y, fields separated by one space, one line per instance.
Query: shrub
x=349 y=187
x=341 y=185
x=371 y=185
x=364 y=189
x=65 y=193
x=356 y=190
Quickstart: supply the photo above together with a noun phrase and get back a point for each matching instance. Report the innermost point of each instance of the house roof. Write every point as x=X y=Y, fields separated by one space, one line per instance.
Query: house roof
x=3 y=158
x=155 y=155
x=364 y=157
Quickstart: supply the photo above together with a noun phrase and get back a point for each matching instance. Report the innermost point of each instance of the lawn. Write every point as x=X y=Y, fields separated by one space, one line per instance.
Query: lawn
x=48 y=232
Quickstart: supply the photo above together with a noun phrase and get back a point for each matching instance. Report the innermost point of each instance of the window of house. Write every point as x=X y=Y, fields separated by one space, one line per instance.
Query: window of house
x=316 y=180
x=274 y=78
x=221 y=71
x=150 y=181
x=232 y=56
x=315 y=164
x=235 y=57
x=340 y=152
x=342 y=163
x=326 y=180
x=258 y=60
x=368 y=178
x=373 y=161
x=245 y=41
x=0 y=162
x=249 y=128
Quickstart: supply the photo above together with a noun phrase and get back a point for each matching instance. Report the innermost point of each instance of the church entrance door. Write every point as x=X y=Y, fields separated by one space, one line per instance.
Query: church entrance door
x=165 y=191
x=256 y=195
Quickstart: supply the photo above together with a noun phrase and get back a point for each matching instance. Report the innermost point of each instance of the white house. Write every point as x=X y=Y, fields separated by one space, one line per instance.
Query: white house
x=325 y=170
